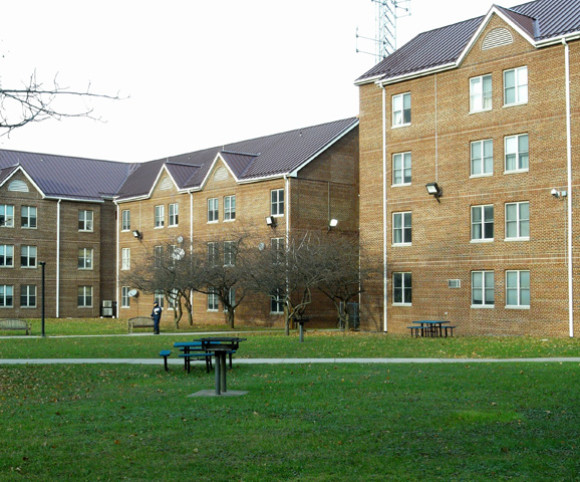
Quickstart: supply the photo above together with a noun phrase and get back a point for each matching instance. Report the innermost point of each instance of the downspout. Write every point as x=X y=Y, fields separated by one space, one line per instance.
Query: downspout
x=385 y=284
x=191 y=242
x=57 y=267
x=117 y=274
x=569 y=197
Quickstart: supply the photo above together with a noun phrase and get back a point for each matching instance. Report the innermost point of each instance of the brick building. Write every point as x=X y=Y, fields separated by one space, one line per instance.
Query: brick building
x=484 y=114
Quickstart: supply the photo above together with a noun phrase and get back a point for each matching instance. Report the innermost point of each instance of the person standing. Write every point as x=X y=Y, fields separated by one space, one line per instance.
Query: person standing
x=156 y=315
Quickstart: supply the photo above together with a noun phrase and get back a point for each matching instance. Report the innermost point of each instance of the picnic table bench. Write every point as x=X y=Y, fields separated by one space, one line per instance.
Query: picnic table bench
x=139 y=322
x=15 y=324
x=431 y=328
x=193 y=350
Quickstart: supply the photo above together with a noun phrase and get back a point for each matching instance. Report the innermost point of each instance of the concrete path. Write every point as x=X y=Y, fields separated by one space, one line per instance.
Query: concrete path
x=283 y=361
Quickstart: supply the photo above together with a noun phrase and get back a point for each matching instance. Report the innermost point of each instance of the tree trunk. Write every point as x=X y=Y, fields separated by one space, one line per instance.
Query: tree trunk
x=230 y=317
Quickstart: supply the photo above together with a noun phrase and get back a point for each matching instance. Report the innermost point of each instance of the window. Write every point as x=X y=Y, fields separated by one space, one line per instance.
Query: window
x=515 y=86
x=278 y=250
x=516 y=153
x=6 y=256
x=85 y=258
x=482 y=223
x=126 y=220
x=402 y=169
x=126 y=258
x=402 y=290
x=85 y=220
x=482 y=158
x=85 y=296
x=28 y=256
x=231 y=298
x=517 y=284
x=28 y=296
x=6 y=216
x=277 y=202
x=229 y=208
x=402 y=109
x=212 y=300
x=480 y=93
x=517 y=221
x=28 y=217
x=158 y=255
x=173 y=298
x=6 y=296
x=212 y=210
x=173 y=214
x=212 y=254
x=482 y=289
x=159 y=216
x=159 y=298
x=229 y=253
x=277 y=302
x=125 y=298
x=402 y=228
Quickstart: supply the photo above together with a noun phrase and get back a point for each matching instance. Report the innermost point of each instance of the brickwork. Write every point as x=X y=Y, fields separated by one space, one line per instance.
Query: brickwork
x=439 y=138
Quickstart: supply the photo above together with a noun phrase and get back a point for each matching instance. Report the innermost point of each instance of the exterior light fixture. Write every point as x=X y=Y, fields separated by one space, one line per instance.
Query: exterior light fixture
x=137 y=234
x=271 y=221
x=333 y=223
x=558 y=194
x=434 y=190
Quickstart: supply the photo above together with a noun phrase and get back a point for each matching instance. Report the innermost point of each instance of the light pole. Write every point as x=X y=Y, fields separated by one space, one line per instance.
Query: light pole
x=43 y=291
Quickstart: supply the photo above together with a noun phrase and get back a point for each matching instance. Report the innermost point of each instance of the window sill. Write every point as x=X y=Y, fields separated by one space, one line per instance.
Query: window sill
x=28 y=267
x=277 y=215
x=213 y=311
x=159 y=227
x=477 y=176
x=482 y=307
x=479 y=111
x=482 y=241
x=515 y=104
x=229 y=220
x=275 y=313
x=212 y=222
x=397 y=245
x=26 y=227
x=404 y=184
x=402 y=304
x=511 y=240
x=516 y=171
x=514 y=307
x=398 y=126
x=173 y=226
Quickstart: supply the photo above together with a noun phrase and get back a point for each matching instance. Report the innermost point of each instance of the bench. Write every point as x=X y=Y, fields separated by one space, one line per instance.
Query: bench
x=198 y=356
x=416 y=331
x=448 y=330
x=139 y=322
x=15 y=324
x=165 y=354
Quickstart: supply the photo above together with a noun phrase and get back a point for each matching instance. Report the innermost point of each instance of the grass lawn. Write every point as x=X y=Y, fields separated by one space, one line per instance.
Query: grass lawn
x=344 y=422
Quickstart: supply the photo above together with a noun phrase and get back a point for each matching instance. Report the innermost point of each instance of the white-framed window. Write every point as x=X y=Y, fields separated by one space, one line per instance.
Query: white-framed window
x=212 y=254
x=158 y=255
x=28 y=217
x=159 y=216
x=482 y=289
x=481 y=158
x=401 y=109
x=402 y=169
x=125 y=298
x=85 y=220
x=517 y=284
x=159 y=298
x=402 y=228
x=28 y=256
x=517 y=221
x=85 y=297
x=278 y=249
x=277 y=302
x=85 y=258
x=213 y=210
x=28 y=296
x=515 y=86
x=6 y=216
x=173 y=298
x=231 y=298
x=126 y=220
x=482 y=223
x=277 y=202
x=6 y=256
x=6 y=296
x=173 y=214
x=402 y=289
x=229 y=208
x=517 y=153
x=125 y=258
x=212 y=300
x=229 y=253
x=480 y=93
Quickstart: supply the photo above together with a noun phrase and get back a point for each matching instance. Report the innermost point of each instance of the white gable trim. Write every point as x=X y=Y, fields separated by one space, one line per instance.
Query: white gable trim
x=19 y=168
x=217 y=158
x=156 y=182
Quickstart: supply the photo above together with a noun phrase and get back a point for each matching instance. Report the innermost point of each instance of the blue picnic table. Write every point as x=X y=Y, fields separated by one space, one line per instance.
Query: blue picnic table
x=431 y=328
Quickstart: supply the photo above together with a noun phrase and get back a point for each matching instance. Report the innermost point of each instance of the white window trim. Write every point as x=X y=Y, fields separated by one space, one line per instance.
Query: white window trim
x=403 y=229
x=29 y=217
x=403 y=124
x=86 y=251
x=516 y=238
x=92 y=222
x=518 y=102
x=125 y=260
x=516 y=307
x=483 y=109
x=230 y=220
x=176 y=215
x=123 y=229
x=8 y=265
x=483 y=306
x=162 y=217
x=402 y=154
x=403 y=303
x=481 y=240
x=482 y=174
x=28 y=257
x=277 y=203
x=217 y=211
x=517 y=170
x=28 y=307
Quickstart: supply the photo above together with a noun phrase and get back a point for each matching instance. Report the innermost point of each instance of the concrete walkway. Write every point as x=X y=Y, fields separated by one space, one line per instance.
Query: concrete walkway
x=283 y=361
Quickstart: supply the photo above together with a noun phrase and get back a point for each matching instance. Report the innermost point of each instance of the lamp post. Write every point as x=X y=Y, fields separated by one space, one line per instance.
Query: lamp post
x=43 y=291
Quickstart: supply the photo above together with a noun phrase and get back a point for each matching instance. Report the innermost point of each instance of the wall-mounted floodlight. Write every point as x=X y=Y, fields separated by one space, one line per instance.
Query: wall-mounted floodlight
x=271 y=221
x=137 y=234
x=333 y=223
x=434 y=189
x=558 y=194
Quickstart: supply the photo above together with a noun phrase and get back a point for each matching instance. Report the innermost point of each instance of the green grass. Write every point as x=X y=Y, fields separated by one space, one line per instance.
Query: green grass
x=343 y=422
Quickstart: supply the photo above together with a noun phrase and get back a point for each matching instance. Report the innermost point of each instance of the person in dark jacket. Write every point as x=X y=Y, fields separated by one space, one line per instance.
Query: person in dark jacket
x=156 y=315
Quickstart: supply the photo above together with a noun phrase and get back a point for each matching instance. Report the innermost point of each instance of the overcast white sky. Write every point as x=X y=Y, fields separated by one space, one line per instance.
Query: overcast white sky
x=196 y=73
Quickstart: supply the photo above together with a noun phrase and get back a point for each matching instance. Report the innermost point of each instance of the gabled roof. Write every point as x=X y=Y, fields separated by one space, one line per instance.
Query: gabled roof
x=67 y=177
x=540 y=20
x=249 y=160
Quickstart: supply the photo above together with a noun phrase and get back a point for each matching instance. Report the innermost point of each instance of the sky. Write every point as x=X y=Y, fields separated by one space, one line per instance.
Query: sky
x=194 y=74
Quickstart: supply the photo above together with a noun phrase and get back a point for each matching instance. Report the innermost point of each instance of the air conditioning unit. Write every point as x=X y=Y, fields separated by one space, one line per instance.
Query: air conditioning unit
x=107 y=303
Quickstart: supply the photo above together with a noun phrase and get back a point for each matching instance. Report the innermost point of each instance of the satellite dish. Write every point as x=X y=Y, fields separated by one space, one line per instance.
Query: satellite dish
x=180 y=239
x=261 y=246
x=178 y=253
x=133 y=293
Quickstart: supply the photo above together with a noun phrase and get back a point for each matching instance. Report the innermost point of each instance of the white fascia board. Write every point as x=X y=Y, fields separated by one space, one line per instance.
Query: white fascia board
x=294 y=173
x=415 y=75
x=558 y=40
x=154 y=185
x=143 y=197
x=217 y=158
x=75 y=200
x=19 y=168
x=368 y=80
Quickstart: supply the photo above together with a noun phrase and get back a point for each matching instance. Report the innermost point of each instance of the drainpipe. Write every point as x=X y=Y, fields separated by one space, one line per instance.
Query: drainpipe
x=385 y=284
x=57 y=267
x=118 y=230
x=191 y=242
x=569 y=197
